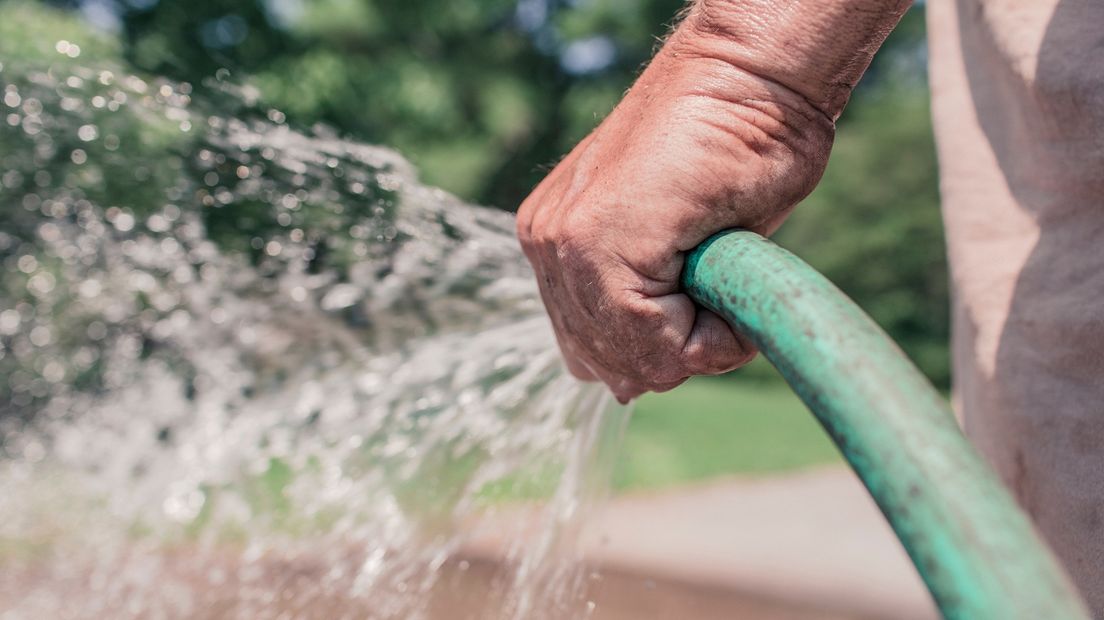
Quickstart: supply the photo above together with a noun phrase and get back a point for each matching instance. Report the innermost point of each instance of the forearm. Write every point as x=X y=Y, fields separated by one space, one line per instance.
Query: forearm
x=817 y=48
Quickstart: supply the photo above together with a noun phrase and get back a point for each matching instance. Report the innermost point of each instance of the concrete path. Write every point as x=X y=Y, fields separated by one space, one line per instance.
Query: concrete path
x=813 y=538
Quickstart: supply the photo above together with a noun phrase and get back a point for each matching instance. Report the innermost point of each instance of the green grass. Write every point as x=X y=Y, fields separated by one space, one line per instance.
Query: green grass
x=714 y=426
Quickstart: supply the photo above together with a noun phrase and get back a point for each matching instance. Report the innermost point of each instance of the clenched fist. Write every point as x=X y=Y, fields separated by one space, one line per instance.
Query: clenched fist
x=707 y=139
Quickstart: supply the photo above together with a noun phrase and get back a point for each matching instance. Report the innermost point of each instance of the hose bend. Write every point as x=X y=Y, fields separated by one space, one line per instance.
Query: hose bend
x=975 y=549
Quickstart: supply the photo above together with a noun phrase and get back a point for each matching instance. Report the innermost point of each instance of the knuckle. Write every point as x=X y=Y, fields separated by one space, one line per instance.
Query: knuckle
x=644 y=314
x=524 y=227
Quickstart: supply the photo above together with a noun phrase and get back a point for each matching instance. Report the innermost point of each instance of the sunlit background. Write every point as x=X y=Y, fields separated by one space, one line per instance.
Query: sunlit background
x=482 y=96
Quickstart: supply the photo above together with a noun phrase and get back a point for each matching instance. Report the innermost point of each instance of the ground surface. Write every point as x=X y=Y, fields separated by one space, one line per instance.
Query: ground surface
x=810 y=543
x=732 y=484
x=796 y=546
x=731 y=502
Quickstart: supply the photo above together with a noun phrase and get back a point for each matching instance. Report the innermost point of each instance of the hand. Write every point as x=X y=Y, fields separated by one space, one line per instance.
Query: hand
x=696 y=146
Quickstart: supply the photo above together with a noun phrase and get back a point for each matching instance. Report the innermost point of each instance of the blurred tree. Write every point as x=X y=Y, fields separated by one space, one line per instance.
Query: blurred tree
x=479 y=93
x=483 y=95
x=873 y=224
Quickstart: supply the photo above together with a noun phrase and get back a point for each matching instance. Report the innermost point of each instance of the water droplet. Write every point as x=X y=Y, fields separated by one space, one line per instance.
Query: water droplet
x=12 y=179
x=41 y=283
x=41 y=336
x=32 y=106
x=218 y=316
x=96 y=330
x=90 y=289
x=123 y=222
x=78 y=156
x=184 y=504
x=27 y=263
x=53 y=371
x=34 y=451
x=88 y=133
x=9 y=322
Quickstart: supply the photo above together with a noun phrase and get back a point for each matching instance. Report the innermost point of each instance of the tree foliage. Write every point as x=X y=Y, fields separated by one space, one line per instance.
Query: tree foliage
x=483 y=95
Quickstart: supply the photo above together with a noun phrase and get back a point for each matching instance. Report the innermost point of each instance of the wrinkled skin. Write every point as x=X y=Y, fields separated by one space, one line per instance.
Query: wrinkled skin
x=699 y=144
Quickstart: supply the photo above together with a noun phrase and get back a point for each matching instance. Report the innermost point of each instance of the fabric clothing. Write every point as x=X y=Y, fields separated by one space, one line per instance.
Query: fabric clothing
x=1018 y=106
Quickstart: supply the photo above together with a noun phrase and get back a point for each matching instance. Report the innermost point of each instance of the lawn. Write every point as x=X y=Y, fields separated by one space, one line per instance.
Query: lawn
x=715 y=426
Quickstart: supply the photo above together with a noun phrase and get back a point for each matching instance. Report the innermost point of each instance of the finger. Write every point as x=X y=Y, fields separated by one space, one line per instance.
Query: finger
x=713 y=347
x=568 y=353
x=626 y=390
x=669 y=386
x=657 y=359
x=623 y=388
x=576 y=365
x=573 y=359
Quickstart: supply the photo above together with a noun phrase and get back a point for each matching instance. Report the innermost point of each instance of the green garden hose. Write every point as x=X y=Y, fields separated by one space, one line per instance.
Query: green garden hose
x=975 y=549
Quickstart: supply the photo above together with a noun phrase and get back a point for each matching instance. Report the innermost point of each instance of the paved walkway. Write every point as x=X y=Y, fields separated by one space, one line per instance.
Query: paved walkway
x=813 y=539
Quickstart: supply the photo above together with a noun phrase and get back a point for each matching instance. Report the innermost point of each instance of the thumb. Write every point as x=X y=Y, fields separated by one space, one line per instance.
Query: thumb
x=713 y=347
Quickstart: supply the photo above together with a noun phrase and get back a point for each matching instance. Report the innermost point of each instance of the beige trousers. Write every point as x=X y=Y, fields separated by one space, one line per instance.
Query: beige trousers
x=1018 y=104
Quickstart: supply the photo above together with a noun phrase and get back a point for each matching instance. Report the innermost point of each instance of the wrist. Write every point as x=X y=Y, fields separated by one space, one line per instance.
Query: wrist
x=818 y=49
x=746 y=147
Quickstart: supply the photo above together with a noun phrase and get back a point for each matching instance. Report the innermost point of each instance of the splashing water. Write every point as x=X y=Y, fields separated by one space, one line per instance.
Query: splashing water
x=250 y=372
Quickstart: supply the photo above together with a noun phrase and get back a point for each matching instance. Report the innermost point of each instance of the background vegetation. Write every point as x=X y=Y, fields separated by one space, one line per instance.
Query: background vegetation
x=484 y=95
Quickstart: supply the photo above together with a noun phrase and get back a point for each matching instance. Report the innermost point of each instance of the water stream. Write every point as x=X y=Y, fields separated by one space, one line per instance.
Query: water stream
x=248 y=371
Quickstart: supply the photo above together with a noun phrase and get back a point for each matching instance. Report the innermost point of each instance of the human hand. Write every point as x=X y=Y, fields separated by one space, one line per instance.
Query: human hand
x=699 y=144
